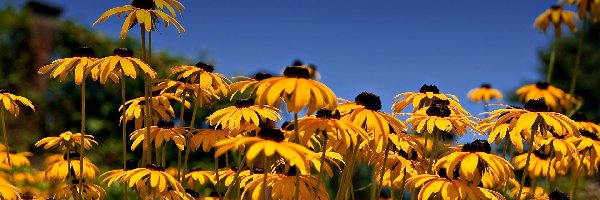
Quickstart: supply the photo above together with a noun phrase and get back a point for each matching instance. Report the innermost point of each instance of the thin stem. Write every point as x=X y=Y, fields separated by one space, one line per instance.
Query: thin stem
x=164 y=155
x=382 y=172
x=403 y=183
x=81 y=152
x=123 y=122
x=551 y=63
x=181 y=124
x=575 y=176
x=433 y=150
x=578 y=57
x=192 y=122
x=217 y=176
x=347 y=173
x=266 y=170
x=323 y=149
x=297 y=135
x=525 y=169
x=6 y=143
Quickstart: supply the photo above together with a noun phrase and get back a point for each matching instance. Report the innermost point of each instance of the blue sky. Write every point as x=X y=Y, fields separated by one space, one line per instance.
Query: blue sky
x=385 y=47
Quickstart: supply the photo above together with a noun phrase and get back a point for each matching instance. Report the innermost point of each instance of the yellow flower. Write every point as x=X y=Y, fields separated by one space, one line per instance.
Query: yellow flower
x=556 y=16
x=401 y=141
x=206 y=138
x=585 y=6
x=443 y=186
x=554 y=97
x=11 y=102
x=161 y=108
x=555 y=195
x=399 y=167
x=297 y=90
x=440 y=116
x=249 y=83
x=169 y=5
x=89 y=190
x=111 y=176
x=423 y=98
x=284 y=187
x=527 y=190
x=244 y=115
x=67 y=140
x=143 y=12
x=337 y=131
x=9 y=192
x=203 y=74
x=164 y=131
x=588 y=126
x=562 y=147
x=365 y=112
x=330 y=157
x=473 y=160
x=269 y=142
x=539 y=164
x=17 y=159
x=59 y=171
x=191 y=90
x=174 y=195
x=120 y=63
x=151 y=177
x=83 y=57
x=198 y=176
x=484 y=93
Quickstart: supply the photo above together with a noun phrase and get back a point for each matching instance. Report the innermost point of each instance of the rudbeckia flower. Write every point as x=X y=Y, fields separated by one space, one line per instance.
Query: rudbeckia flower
x=423 y=98
x=402 y=142
x=484 y=93
x=400 y=166
x=556 y=16
x=67 y=140
x=161 y=108
x=555 y=195
x=88 y=190
x=111 y=176
x=244 y=115
x=189 y=89
x=365 y=112
x=439 y=116
x=446 y=188
x=527 y=190
x=151 y=177
x=297 y=90
x=473 y=160
x=561 y=147
x=143 y=12
x=17 y=159
x=120 y=63
x=164 y=131
x=11 y=102
x=248 y=83
x=9 y=192
x=587 y=125
x=552 y=95
x=283 y=186
x=337 y=131
x=197 y=176
x=176 y=195
x=541 y=165
x=268 y=141
x=59 y=171
x=334 y=158
x=82 y=58
x=587 y=6
x=312 y=69
x=170 y=5
x=204 y=75
x=206 y=138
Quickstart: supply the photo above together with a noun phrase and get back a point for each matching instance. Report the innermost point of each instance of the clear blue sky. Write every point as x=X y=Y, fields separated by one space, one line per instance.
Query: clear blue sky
x=384 y=46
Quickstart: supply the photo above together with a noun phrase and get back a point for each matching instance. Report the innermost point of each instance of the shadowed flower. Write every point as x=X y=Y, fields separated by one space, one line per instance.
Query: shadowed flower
x=443 y=186
x=17 y=159
x=527 y=190
x=338 y=132
x=206 y=138
x=67 y=140
x=151 y=177
x=145 y=13
x=182 y=87
x=554 y=97
x=484 y=93
x=541 y=165
x=441 y=117
x=82 y=58
x=122 y=63
x=297 y=90
x=111 y=176
x=423 y=98
x=556 y=16
x=164 y=131
x=248 y=83
x=88 y=190
x=161 y=108
x=59 y=171
x=199 y=177
x=283 y=186
x=11 y=102
x=9 y=192
x=204 y=75
x=244 y=115
x=587 y=6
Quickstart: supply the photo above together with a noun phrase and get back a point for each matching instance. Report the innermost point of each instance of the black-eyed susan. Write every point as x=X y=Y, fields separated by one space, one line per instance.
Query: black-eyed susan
x=121 y=63
x=199 y=177
x=365 y=112
x=184 y=89
x=10 y=102
x=312 y=69
x=423 y=98
x=9 y=192
x=473 y=160
x=484 y=93
x=87 y=189
x=161 y=108
x=67 y=140
x=439 y=116
x=322 y=160
x=244 y=115
x=588 y=126
x=561 y=147
x=555 y=195
x=338 y=132
x=228 y=174
x=297 y=90
x=587 y=6
x=16 y=159
x=82 y=58
x=176 y=195
x=143 y=12
x=588 y=145
x=527 y=191
x=204 y=75
x=151 y=178
x=248 y=83
x=113 y=176
x=553 y=96
x=269 y=141
x=541 y=165
x=400 y=166
x=284 y=186
x=170 y=5
x=556 y=16
x=206 y=138
x=163 y=132
x=59 y=171
x=439 y=184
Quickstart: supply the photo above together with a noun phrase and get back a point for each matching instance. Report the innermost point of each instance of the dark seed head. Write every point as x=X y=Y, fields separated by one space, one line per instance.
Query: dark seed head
x=589 y=135
x=558 y=195
x=296 y=72
x=288 y=126
x=262 y=76
x=144 y=4
x=76 y=181
x=555 y=7
x=542 y=85
x=328 y=114
x=536 y=105
x=73 y=155
x=192 y=193
x=271 y=134
x=540 y=154
x=486 y=85
x=369 y=101
x=2 y=90
x=195 y=169
x=257 y=170
x=385 y=193
x=27 y=196
x=165 y=124
x=291 y=171
x=297 y=63
x=477 y=146
x=205 y=67
x=131 y=164
x=123 y=52
x=413 y=154
x=214 y=194
x=234 y=168
x=429 y=88
x=244 y=103
x=442 y=173
x=84 y=52
x=579 y=117
x=439 y=108
x=155 y=167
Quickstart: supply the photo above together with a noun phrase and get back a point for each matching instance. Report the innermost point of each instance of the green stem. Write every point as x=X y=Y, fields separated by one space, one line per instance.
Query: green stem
x=551 y=63
x=81 y=152
x=192 y=122
x=266 y=170
x=6 y=144
x=382 y=172
x=403 y=183
x=297 y=135
x=575 y=176
x=347 y=173
x=181 y=124
x=123 y=121
x=525 y=169
x=323 y=150
x=578 y=58
x=217 y=185
x=433 y=150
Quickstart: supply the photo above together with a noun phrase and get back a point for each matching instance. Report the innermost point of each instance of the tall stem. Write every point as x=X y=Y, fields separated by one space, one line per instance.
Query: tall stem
x=82 y=138
x=525 y=169
x=575 y=176
x=123 y=121
x=433 y=150
x=297 y=135
x=266 y=170
x=6 y=142
x=217 y=176
x=551 y=62
x=578 y=58
x=346 y=179
x=403 y=183
x=323 y=149
x=382 y=172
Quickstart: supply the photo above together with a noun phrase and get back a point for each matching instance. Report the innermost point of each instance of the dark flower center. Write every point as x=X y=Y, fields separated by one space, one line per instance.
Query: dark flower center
x=542 y=85
x=369 y=101
x=155 y=167
x=262 y=76
x=288 y=126
x=328 y=114
x=429 y=88
x=76 y=181
x=244 y=103
x=84 y=52
x=192 y=193
x=292 y=171
x=297 y=63
x=123 y=52
x=71 y=155
x=2 y=90
x=540 y=154
x=131 y=164
x=165 y=124
x=579 y=117
x=205 y=67
x=215 y=194
x=257 y=170
x=439 y=108
x=271 y=134
x=195 y=169
x=555 y=7
x=144 y=4
x=385 y=193
x=486 y=85
x=442 y=173
x=27 y=196
x=413 y=154
x=536 y=105
x=477 y=146
x=185 y=80
x=558 y=195
x=296 y=72
x=589 y=135
x=234 y=168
